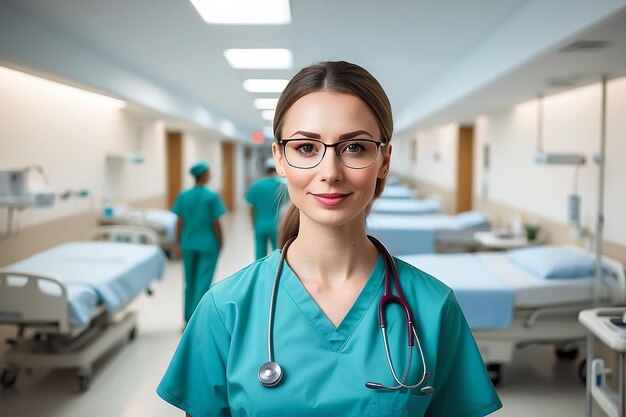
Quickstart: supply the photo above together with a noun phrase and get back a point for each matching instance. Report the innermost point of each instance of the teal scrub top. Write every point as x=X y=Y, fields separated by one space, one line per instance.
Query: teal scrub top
x=214 y=369
x=198 y=207
x=267 y=196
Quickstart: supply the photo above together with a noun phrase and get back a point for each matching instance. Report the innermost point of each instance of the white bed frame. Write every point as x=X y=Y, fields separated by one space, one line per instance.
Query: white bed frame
x=124 y=234
x=45 y=338
x=159 y=230
x=557 y=325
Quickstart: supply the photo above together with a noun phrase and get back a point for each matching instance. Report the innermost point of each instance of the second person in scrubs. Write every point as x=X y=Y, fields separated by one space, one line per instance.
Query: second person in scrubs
x=266 y=196
x=198 y=235
x=333 y=127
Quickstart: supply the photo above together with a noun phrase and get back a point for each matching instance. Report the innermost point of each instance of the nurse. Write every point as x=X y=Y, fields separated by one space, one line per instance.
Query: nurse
x=333 y=125
x=266 y=196
x=198 y=235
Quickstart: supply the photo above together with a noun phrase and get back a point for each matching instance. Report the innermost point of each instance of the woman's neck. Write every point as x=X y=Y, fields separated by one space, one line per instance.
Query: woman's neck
x=332 y=255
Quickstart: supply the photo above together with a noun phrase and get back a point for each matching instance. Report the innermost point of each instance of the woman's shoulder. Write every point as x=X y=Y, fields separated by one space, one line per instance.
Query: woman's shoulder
x=416 y=281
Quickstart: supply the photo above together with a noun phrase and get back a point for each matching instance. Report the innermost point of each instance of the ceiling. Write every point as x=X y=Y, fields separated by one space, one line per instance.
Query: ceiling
x=439 y=61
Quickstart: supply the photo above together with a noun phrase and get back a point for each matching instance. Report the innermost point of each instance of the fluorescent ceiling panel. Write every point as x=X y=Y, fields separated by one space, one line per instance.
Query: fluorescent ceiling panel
x=265 y=85
x=259 y=58
x=265 y=103
x=244 y=12
x=268 y=114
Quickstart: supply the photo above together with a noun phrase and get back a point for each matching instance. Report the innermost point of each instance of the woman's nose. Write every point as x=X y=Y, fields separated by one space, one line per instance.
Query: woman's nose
x=331 y=167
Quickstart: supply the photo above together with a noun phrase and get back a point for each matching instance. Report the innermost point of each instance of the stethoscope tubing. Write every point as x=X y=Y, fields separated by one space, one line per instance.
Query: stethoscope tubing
x=270 y=373
x=270 y=323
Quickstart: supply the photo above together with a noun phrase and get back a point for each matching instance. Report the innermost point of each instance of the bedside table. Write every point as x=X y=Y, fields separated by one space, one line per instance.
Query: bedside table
x=498 y=241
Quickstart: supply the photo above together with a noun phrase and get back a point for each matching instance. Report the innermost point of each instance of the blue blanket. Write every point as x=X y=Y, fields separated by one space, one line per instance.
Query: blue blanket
x=486 y=300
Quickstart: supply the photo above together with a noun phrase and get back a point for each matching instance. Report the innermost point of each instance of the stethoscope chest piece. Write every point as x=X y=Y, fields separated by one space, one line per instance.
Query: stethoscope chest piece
x=270 y=374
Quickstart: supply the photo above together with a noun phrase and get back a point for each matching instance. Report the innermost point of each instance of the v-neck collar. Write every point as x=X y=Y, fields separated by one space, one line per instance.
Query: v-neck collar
x=335 y=337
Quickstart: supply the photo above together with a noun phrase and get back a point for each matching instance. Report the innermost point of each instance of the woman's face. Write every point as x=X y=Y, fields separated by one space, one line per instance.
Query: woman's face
x=331 y=193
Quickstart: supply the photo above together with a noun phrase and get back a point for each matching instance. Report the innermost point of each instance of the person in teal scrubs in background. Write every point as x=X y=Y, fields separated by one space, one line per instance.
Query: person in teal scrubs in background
x=266 y=196
x=198 y=235
x=333 y=126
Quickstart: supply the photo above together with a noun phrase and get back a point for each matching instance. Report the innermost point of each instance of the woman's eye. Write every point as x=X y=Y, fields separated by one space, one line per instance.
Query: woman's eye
x=305 y=148
x=354 y=148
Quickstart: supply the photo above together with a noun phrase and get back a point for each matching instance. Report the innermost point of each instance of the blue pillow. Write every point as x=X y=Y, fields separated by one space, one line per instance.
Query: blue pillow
x=554 y=262
x=471 y=219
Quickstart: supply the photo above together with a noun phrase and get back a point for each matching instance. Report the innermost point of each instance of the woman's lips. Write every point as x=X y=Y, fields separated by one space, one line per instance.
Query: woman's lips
x=330 y=199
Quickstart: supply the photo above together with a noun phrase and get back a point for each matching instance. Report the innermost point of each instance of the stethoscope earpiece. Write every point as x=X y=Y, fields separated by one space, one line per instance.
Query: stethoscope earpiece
x=270 y=374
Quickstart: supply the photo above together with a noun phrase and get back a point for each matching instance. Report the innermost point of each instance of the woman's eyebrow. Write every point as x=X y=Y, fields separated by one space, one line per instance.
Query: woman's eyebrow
x=350 y=135
x=307 y=134
x=344 y=136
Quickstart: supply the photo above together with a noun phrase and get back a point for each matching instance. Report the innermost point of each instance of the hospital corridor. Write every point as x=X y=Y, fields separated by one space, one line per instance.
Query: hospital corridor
x=312 y=208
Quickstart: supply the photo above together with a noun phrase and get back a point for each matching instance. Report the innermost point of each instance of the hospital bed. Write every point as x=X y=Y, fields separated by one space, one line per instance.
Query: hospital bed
x=405 y=234
x=162 y=222
x=526 y=296
x=406 y=206
x=399 y=191
x=68 y=302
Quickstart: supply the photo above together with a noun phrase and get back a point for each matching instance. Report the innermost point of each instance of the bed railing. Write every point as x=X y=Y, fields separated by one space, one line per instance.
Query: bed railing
x=125 y=234
x=33 y=300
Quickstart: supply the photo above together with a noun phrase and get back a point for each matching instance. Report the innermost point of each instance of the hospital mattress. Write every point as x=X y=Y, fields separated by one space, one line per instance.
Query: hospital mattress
x=405 y=234
x=489 y=287
x=531 y=291
x=406 y=205
x=96 y=273
x=163 y=222
x=398 y=191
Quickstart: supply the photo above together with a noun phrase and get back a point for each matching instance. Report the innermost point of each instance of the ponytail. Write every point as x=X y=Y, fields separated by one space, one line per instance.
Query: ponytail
x=289 y=225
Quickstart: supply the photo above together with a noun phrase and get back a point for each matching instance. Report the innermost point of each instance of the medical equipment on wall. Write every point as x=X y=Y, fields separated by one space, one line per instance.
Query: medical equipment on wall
x=18 y=191
x=552 y=158
x=270 y=373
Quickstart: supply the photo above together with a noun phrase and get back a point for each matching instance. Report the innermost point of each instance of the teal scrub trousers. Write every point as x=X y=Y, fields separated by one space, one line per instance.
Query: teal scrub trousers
x=199 y=269
x=261 y=238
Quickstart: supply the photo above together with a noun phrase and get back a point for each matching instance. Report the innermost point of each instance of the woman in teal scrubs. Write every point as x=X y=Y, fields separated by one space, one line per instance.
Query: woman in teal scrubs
x=333 y=125
x=266 y=196
x=198 y=235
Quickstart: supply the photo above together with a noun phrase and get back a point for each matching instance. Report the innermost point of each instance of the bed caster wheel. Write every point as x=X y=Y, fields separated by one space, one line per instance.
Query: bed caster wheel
x=565 y=352
x=494 y=370
x=8 y=378
x=132 y=335
x=84 y=381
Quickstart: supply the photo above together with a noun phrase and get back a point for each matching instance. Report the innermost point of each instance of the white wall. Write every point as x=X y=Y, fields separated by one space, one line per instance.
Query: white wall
x=200 y=146
x=69 y=133
x=437 y=152
x=571 y=124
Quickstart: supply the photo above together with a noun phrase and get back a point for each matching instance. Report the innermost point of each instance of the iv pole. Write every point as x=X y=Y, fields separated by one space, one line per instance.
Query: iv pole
x=600 y=160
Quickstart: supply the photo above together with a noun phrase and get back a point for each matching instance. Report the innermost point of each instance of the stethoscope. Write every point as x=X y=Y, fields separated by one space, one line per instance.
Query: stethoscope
x=271 y=373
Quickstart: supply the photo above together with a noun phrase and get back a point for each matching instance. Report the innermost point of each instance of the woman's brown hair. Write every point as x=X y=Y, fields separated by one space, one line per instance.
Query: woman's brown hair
x=340 y=77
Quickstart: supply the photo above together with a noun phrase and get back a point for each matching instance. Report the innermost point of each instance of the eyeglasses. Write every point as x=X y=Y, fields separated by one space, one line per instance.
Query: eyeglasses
x=352 y=153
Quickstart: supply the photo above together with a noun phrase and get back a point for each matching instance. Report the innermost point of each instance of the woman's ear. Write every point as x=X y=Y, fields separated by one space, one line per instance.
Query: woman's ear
x=279 y=161
x=384 y=167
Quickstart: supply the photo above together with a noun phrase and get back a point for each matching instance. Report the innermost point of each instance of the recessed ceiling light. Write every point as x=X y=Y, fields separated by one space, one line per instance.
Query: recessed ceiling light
x=259 y=58
x=244 y=12
x=265 y=103
x=268 y=114
x=265 y=85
